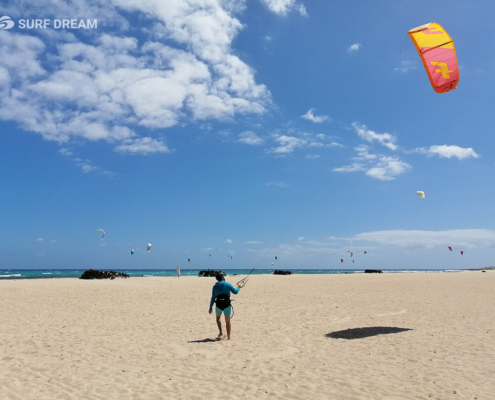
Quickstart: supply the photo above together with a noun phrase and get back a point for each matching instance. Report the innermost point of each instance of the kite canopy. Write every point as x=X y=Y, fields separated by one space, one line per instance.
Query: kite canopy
x=462 y=252
x=149 y=247
x=101 y=230
x=450 y=248
x=420 y=194
x=437 y=52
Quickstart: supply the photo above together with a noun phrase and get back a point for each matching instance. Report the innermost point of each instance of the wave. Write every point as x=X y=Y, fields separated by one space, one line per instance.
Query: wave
x=9 y=276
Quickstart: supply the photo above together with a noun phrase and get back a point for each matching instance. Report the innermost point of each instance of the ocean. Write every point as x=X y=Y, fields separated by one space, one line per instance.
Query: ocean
x=76 y=273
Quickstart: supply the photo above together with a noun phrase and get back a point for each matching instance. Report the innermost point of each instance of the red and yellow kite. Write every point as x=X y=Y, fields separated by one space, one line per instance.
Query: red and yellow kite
x=437 y=52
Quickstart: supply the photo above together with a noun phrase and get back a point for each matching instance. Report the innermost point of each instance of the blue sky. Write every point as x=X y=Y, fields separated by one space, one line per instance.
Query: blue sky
x=254 y=128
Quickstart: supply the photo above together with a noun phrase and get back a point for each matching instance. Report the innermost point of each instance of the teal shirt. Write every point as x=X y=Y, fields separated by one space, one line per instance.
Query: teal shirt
x=222 y=288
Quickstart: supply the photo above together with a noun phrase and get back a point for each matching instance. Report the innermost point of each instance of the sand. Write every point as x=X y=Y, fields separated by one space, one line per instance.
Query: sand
x=360 y=336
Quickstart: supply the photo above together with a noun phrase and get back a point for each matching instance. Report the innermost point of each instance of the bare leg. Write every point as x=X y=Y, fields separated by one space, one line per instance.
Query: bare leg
x=227 y=323
x=219 y=324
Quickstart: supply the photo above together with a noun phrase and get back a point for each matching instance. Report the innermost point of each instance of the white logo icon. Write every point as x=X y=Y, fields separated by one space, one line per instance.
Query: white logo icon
x=6 y=23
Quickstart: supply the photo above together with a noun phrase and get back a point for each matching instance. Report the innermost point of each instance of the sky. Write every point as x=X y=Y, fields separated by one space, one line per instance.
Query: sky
x=249 y=128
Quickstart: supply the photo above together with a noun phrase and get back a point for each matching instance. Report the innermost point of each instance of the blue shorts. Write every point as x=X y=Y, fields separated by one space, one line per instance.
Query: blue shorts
x=226 y=312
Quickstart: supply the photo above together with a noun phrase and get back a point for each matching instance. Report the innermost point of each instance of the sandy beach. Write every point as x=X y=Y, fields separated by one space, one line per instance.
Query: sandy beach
x=359 y=336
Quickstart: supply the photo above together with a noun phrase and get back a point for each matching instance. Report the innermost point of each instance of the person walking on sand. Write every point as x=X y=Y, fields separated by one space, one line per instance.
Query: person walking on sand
x=178 y=271
x=220 y=295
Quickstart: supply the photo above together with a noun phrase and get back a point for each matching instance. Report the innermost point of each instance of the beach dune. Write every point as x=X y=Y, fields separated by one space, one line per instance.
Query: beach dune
x=357 y=336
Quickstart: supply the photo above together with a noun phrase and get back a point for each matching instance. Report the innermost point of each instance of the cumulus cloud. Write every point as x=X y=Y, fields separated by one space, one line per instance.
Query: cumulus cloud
x=250 y=138
x=354 y=47
x=68 y=87
x=228 y=241
x=385 y=139
x=38 y=240
x=417 y=239
x=287 y=144
x=405 y=66
x=143 y=145
x=376 y=166
x=447 y=151
x=283 y=7
x=315 y=118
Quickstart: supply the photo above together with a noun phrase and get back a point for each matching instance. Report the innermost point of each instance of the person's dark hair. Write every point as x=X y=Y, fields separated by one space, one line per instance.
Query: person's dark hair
x=220 y=276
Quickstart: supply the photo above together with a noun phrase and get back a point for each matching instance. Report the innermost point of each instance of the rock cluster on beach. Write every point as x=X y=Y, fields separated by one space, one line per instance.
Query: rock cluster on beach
x=280 y=272
x=94 y=274
x=209 y=273
x=373 y=271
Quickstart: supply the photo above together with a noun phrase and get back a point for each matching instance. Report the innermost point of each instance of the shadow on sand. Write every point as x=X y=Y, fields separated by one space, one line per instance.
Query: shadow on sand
x=208 y=340
x=360 y=333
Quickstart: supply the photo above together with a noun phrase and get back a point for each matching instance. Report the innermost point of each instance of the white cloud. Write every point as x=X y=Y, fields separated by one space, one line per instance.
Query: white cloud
x=65 y=152
x=95 y=90
x=376 y=166
x=417 y=239
x=405 y=66
x=312 y=156
x=354 y=47
x=143 y=145
x=387 y=168
x=253 y=242
x=282 y=7
x=385 y=139
x=316 y=119
x=287 y=144
x=228 y=241
x=447 y=151
x=250 y=138
x=301 y=238
x=38 y=240
x=276 y=184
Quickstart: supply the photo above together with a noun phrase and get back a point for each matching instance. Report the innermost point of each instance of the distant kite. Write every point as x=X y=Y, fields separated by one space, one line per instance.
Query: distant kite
x=149 y=247
x=421 y=195
x=276 y=258
x=188 y=260
x=462 y=252
x=132 y=252
x=341 y=260
x=101 y=230
x=450 y=248
x=351 y=253
x=365 y=252
x=437 y=52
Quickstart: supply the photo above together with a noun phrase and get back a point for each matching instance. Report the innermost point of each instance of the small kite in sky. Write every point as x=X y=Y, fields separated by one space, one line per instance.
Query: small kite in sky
x=450 y=248
x=350 y=252
x=188 y=260
x=132 y=252
x=437 y=52
x=276 y=258
x=365 y=252
x=101 y=230
x=149 y=247
x=462 y=252
x=341 y=260
x=421 y=194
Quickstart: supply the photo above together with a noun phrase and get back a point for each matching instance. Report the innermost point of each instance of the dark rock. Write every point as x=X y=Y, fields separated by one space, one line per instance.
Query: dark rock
x=209 y=273
x=373 y=271
x=94 y=274
x=280 y=272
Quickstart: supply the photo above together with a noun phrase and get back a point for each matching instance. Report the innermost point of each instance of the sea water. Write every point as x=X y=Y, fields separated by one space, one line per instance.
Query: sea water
x=144 y=273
